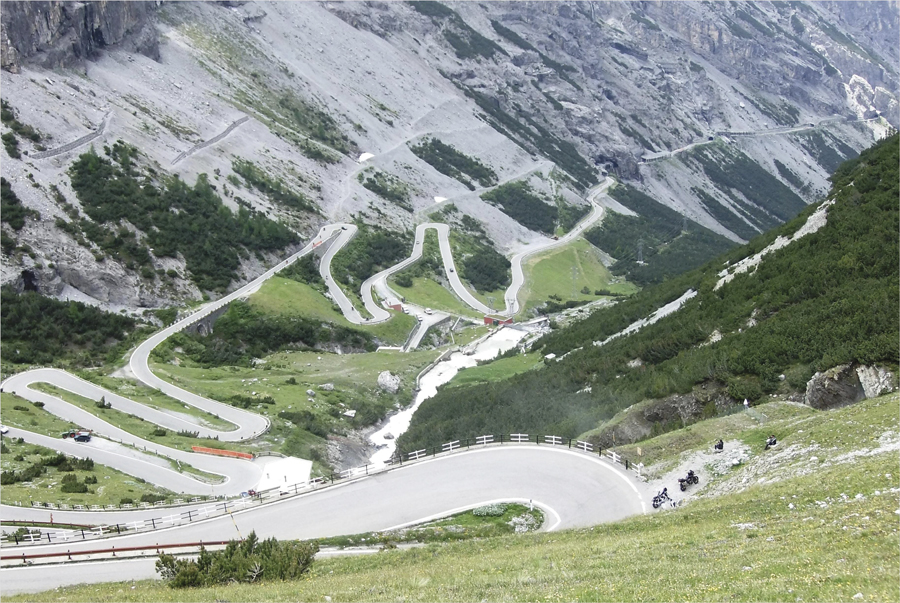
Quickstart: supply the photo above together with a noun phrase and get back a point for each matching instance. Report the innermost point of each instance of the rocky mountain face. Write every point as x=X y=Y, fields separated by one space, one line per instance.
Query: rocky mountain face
x=554 y=93
x=65 y=34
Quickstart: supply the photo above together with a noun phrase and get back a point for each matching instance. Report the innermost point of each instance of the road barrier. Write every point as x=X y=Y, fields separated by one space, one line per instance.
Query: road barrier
x=229 y=453
x=126 y=549
x=253 y=499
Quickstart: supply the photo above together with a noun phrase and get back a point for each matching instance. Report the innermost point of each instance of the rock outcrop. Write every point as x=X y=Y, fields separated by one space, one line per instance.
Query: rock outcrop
x=637 y=423
x=388 y=382
x=835 y=387
x=65 y=34
x=875 y=380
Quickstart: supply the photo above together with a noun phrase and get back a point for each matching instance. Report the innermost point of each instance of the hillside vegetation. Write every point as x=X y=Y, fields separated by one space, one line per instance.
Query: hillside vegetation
x=372 y=249
x=244 y=333
x=669 y=244
x=522 y=204
x=42 y=330
x=827 y=299
x=177 y=219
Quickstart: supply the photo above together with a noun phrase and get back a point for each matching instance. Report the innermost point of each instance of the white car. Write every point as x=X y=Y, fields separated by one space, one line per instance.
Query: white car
x=428 y=311
x=4 y=429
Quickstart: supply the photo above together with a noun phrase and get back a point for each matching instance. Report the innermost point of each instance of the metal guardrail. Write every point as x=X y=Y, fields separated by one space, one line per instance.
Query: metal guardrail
x=127 y=549
x=218 y=509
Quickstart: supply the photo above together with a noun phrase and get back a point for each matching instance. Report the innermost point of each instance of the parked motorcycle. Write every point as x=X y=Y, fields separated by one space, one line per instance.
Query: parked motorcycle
x=684 y=482
x=661 y=498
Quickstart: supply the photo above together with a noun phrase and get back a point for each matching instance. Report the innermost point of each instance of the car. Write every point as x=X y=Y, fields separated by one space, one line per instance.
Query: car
x=451 y=270
x=429 y=311
x=83 y=436
x=4 y=429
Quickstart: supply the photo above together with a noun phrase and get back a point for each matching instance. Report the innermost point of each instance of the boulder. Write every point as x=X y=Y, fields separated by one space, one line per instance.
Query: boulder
x=835 y=387
x=875 y=381
x=310 y=393
x=327 y=387
x=388 y=382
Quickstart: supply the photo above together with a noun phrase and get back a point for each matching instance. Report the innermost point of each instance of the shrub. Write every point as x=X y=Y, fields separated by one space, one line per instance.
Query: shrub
x=273 y=188
x=11 y=145
x=126 y=501
x=90 y=479
x=83 y=464
x=151 y=498
x=74 y=487
x=248 y=561
x=158 y=432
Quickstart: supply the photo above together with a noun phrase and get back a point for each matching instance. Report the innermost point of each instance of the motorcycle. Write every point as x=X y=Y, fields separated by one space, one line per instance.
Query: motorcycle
x=660 y=499
x=684 y=482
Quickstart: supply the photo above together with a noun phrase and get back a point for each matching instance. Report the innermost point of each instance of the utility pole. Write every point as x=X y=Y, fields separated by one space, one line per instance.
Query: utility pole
x=640 y=258
x=683 y=223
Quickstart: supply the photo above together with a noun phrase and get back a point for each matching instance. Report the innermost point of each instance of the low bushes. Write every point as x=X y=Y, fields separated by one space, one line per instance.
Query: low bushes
x=247 y=561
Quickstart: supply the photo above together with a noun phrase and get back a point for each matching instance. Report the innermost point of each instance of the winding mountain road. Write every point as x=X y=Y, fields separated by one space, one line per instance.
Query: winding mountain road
x=573 y=488
x=121 y=453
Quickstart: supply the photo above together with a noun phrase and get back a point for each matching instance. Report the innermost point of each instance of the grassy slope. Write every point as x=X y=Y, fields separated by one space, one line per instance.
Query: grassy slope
x=551 y=273
x=350 y=371
x=136 y=425
x=496 y=370
x=354 y=377
x=111 y=487
x=285 y=296
x=33 y=419
x=137 y=391
x=815 y=530
x=427 y=293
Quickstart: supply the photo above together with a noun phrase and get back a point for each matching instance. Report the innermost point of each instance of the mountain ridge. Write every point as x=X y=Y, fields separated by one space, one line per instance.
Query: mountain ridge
x=576 y=88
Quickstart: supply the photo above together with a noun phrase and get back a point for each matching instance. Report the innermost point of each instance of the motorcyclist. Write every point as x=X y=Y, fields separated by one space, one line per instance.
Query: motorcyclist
x=770 y=441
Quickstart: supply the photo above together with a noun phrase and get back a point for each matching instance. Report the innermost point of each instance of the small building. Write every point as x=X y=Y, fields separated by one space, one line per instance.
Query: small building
x=393 y=303
x=496 y=321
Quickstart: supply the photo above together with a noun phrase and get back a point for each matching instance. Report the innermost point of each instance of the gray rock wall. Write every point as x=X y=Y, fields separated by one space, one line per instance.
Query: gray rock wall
x=65 y=34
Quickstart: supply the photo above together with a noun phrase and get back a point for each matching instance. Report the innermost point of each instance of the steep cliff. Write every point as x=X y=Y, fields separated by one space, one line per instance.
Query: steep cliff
x=65 y=34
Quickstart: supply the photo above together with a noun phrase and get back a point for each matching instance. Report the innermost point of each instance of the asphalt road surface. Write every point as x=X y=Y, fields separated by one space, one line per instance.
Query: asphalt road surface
x=573 y=489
